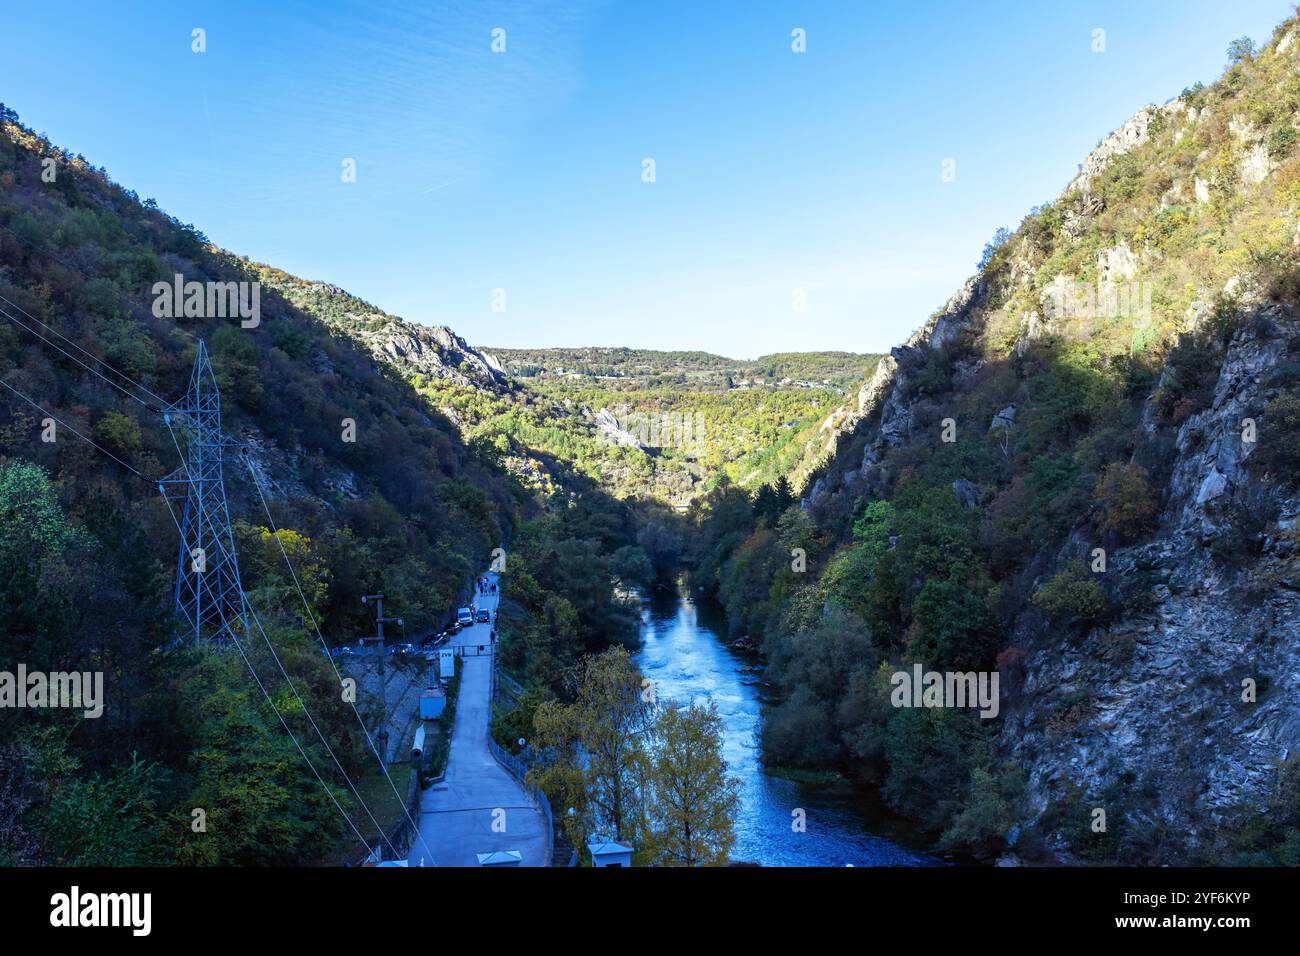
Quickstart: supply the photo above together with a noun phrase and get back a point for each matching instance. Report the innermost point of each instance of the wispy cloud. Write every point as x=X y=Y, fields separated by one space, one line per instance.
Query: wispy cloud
x=417 y=95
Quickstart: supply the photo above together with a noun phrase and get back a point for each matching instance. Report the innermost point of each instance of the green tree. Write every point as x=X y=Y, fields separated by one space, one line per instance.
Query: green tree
x=83 y=818
x=599 y=744
x=120 y=433
x=1072 y=596
x=631 y=567
x=983 y=824
x=263 y=805
x=1242 y=48
x=33 y=536
x=693 y=801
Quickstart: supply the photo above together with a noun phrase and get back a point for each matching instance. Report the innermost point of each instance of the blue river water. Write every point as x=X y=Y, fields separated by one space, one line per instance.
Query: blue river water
x=681 y=651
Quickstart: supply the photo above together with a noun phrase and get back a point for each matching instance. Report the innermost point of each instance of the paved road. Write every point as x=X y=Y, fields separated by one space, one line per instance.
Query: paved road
x=457 y=818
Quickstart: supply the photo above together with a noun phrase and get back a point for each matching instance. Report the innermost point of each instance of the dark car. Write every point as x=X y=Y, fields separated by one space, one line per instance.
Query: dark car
x=482 y=616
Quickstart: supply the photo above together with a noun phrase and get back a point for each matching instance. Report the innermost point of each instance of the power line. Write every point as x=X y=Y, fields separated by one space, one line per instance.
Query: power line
x=73 y=357
x=83 y=351
x=310 y=616
x=238 y=647
x=260 y=686
x=265 y=637
x=311 y=720
x=285 y=674
x=84 y=273
x=44 y=411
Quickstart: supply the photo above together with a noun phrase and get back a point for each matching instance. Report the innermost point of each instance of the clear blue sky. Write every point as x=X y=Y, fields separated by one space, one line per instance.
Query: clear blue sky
x=775 y=171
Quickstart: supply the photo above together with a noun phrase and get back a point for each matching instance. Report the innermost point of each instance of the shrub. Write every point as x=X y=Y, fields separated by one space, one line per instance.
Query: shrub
x=1280 y=140
x=1072 y=596
x=1130 y=507
x=119 y=432
x=983 y=824
x=1242 y=48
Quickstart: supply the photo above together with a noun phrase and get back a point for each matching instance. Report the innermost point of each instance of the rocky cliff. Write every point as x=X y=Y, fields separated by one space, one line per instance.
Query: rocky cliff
x=1170 y=699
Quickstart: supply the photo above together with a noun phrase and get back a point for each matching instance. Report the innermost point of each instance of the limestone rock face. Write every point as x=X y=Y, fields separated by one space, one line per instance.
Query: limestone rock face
x=1118 y=264
x=1255 y=164
x=1132 y=134
x=432 y=351
x=1163 y=682
x=437 y=352
x=1004 y=419
x=608 y=428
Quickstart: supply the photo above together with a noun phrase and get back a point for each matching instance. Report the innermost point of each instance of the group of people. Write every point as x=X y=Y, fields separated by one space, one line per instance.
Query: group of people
x=489 y=587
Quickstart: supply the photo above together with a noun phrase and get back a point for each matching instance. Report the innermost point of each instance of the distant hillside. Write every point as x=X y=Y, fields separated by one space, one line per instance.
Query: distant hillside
x=702 y=370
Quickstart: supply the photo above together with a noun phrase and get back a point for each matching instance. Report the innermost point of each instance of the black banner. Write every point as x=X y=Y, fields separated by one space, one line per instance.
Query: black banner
x=731 y=904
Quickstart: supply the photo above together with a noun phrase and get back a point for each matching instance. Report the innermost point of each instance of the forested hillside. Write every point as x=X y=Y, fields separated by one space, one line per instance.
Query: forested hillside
x=645 y=367
x=1079 y=473
x=370 y=489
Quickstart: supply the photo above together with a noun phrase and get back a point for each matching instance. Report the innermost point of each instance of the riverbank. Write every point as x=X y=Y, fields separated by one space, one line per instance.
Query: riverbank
x=785 y=819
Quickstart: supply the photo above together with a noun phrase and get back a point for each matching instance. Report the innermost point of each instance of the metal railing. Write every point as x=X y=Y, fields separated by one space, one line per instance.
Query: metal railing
x=515 y=767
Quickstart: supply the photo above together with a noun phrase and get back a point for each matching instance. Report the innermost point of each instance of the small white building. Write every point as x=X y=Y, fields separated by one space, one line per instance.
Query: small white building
x=500 y=858
x=609 y=852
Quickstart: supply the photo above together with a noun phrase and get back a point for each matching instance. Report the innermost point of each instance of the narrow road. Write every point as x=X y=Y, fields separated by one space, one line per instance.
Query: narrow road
x=478 y=807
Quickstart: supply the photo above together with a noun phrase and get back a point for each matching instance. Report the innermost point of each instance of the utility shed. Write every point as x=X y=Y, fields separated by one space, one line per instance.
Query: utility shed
x=432 y=701
x=609 y=853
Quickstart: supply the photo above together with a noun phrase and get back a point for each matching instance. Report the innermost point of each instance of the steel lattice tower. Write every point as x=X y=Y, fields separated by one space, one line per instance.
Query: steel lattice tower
x=209 y=595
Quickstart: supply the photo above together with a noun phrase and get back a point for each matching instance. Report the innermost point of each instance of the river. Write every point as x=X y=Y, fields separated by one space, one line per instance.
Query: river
x=682 y=652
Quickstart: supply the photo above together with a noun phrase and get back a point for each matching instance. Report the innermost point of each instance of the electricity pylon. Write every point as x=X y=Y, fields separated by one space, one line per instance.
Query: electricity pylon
x=209 y=595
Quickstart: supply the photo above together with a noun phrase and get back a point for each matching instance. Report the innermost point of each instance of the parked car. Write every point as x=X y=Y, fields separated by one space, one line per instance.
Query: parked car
x=465 y=616
x=483 y=616
x=347 y=650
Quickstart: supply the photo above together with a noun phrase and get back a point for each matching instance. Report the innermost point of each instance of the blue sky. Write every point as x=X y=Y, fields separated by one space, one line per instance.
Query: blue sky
x=522 y=171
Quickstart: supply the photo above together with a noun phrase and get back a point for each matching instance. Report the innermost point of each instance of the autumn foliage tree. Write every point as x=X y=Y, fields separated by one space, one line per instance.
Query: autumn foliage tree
x=693 y=801
x=1129 y=505
x=635 y=770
